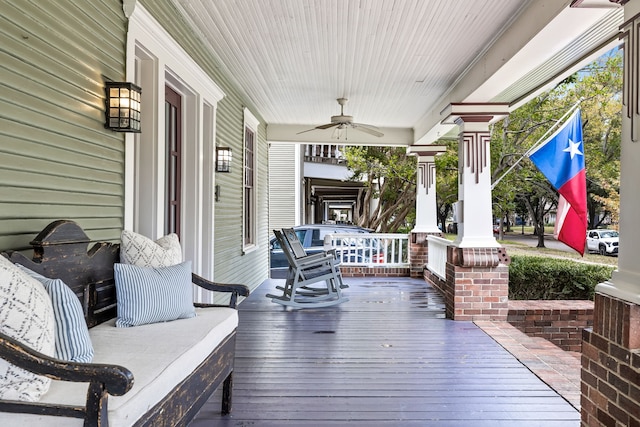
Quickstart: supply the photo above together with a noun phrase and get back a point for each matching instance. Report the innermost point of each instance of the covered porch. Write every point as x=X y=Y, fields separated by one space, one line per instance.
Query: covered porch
x=389 y=357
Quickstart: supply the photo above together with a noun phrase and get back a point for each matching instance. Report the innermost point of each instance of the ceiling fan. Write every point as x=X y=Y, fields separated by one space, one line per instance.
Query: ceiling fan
x=342 y=123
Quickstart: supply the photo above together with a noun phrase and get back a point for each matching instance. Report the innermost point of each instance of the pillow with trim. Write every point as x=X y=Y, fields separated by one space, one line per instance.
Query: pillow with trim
x=72 y=341
x=153 y=294
x=26 y=314
x=140 y=250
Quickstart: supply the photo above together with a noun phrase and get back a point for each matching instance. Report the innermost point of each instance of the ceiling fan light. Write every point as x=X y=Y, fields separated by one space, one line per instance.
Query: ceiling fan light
x=339 y=132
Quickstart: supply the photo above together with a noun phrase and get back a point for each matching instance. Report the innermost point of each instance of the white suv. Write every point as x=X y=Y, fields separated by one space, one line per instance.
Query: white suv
x=605 y=242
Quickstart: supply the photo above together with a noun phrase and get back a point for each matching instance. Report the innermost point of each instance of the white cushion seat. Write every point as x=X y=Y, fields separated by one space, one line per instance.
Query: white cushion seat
x=159 y=355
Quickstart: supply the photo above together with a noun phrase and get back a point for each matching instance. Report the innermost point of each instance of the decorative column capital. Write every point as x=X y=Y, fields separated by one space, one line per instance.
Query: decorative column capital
x=426 y=205
x=426 y=150
x=474 y=214
x=462 y=113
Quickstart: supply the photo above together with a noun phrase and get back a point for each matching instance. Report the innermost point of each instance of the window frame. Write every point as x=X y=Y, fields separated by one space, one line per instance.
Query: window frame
x=249 y=209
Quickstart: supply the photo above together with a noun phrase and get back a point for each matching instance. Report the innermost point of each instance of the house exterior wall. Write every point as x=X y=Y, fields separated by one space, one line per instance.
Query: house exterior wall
x=231 y=263
x=56 y=158
x=284 y=185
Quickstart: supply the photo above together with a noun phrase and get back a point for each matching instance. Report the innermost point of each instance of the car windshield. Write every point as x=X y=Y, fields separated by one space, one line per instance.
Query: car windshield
x=606 y=234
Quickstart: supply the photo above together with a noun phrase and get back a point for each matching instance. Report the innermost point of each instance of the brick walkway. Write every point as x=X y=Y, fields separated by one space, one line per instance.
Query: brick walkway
x=557 y=368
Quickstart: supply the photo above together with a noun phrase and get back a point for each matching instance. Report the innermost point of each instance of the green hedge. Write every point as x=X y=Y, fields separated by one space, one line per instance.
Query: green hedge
x=540 y=278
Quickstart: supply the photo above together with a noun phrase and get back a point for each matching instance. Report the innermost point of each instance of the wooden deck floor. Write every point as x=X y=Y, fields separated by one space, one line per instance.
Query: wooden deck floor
x=388 y=357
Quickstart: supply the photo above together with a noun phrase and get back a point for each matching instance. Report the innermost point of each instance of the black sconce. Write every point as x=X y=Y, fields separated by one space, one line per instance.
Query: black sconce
x=123 y=106
x=223 y=159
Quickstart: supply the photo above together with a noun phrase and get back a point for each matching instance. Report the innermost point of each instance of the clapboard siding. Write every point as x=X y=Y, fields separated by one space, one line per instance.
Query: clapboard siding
x=56 y=158
x=282 y=178
x=34 y=142
x=231 y=264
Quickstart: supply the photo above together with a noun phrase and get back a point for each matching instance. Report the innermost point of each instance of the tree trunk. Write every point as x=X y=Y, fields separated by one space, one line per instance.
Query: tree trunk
x=537 y=215
x=541 y=238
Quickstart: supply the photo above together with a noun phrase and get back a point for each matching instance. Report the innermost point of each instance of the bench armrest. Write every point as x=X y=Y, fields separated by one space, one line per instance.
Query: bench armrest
x=235 y=290
x=117 y=380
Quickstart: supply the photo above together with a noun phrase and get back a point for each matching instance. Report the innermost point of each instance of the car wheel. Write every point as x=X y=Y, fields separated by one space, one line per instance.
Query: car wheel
x=603 y=250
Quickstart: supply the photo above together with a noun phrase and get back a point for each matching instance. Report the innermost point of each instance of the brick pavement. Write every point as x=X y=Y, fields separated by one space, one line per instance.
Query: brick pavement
x=557 y=368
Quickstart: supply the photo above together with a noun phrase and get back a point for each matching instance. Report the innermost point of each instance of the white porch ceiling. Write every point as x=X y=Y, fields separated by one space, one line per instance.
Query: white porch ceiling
x=399 y=62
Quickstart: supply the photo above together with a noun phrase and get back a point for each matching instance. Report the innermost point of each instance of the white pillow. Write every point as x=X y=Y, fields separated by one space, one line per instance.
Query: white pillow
x=153 y=294
x=72 y=335
x=26 y=315
x=139 y=250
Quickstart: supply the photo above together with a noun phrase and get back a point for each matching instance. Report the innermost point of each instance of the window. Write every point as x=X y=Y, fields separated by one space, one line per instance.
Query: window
x=173 y=172
x=249 y=188
x=249 y=180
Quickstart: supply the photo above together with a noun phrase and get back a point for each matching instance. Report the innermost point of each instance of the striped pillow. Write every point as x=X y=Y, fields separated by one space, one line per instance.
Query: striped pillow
x=72 y=341
x=153 y=294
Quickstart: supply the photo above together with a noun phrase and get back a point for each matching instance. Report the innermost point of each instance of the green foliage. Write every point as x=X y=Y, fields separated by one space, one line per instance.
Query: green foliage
x=599 y=86
x=389 y=175
x=446 y=180
x=543 y=278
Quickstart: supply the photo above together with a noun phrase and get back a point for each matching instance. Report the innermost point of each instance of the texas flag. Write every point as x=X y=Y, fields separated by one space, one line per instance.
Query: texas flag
x=561 y=159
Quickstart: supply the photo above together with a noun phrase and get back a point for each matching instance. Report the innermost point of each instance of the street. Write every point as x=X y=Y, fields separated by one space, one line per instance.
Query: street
x=532 y=240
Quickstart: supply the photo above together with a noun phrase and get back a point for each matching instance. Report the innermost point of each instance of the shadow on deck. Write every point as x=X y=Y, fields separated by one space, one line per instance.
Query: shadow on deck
x=388 y=357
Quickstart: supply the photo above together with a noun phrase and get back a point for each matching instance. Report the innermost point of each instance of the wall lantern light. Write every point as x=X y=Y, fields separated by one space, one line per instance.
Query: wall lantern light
x=223 y=159
x=123 y=107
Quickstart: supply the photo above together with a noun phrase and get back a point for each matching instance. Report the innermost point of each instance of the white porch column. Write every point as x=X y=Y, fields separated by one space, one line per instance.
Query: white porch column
x=615 y=335
x=474 y=169
x=625 y=282
x=426 y=204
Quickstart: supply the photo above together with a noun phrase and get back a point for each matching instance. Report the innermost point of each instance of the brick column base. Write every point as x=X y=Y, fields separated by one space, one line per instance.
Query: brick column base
x=611 y=364
x=419 y=252
x=476 y=285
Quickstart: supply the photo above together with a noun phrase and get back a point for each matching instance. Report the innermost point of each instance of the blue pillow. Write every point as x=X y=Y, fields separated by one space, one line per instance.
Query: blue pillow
x=153 y=294
x=72 y=341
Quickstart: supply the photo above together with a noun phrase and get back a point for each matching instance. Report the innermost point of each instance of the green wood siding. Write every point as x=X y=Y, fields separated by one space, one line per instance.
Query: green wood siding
x=56 y=158
x=231 y=264
x=282 y=191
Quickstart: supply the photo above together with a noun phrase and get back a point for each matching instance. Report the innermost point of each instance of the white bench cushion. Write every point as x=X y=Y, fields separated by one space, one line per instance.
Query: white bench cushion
x=159 y=355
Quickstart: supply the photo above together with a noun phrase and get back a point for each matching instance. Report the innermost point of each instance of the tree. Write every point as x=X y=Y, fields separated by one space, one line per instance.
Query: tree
x=524 y=186
x=601 y=88
x=599 y=85
x=446 y=181
x=388 y=198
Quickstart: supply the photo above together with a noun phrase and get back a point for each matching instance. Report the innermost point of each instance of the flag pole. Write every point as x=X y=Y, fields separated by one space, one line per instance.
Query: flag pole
x=538 y=142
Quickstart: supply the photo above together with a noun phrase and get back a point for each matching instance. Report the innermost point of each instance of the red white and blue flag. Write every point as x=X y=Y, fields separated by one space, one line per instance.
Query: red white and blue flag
x=561 y=159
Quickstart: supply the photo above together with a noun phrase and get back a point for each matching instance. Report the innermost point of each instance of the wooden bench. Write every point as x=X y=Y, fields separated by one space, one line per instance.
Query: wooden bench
x=61 y=251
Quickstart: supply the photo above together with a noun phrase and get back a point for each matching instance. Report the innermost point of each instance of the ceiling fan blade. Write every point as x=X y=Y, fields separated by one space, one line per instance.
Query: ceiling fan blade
x=371 y=130
x=304 y=131
x=327 y=126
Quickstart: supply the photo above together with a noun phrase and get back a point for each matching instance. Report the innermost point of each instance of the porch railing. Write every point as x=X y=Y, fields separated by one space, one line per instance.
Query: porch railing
x=376 y=249
x=324 y=153
x=437 y=262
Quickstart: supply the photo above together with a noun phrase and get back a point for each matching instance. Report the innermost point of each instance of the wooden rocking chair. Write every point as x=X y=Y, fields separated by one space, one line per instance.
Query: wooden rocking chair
x=298 y=251
x=305 y=271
